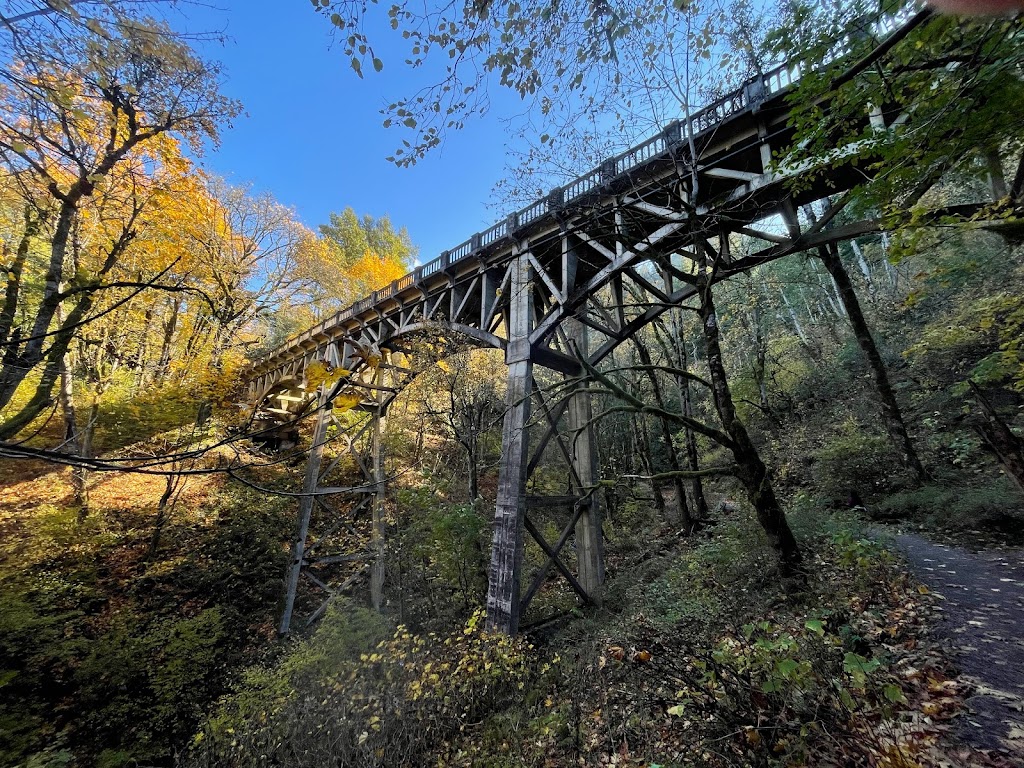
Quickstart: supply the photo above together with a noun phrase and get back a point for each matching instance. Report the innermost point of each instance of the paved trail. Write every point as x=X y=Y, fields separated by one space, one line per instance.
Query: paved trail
x=983 y=621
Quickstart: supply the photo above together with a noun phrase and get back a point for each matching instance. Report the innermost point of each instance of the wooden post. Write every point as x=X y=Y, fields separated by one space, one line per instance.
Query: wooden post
x=379 y=497
x=589 y=540
x=306 y=502
x=507 y=542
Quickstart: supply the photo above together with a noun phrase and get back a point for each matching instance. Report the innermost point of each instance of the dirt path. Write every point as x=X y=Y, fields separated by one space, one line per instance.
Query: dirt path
x=983 y=621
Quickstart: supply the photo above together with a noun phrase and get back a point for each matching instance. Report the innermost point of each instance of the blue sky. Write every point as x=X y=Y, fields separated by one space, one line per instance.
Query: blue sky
x=312 y=134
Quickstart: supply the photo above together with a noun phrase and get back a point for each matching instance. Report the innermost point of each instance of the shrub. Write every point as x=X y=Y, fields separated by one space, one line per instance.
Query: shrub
x=764 y=693
x=165 y=670
x=854 y=459
x=993 y=505
x=391 y=707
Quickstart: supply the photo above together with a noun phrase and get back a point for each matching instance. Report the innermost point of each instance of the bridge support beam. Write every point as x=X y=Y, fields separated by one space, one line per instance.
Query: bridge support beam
x=379 y=497
x=589 y=540
x=306 y=502
x=510 y=511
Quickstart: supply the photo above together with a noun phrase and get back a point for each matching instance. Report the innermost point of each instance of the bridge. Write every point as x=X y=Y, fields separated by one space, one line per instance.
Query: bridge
x=558 y=285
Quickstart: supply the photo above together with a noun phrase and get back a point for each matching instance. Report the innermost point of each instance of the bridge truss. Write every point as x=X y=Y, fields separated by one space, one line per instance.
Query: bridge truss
x=560 y=285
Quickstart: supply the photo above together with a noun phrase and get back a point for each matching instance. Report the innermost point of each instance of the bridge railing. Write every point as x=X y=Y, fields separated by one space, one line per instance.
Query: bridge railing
x=462 y=250
x=494 y=234
x=752 y=91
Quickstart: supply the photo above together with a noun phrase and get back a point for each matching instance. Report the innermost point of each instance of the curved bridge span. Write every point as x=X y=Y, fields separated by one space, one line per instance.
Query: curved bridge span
x=560 y=284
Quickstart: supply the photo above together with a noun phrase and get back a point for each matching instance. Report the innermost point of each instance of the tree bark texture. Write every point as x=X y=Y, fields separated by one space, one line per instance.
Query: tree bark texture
x=891 y=414
x=752 y=472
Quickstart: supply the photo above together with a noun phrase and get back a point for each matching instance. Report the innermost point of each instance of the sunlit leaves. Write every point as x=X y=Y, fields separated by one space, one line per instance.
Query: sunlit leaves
x=568 y=56
x=948 y=91
x=347 y=401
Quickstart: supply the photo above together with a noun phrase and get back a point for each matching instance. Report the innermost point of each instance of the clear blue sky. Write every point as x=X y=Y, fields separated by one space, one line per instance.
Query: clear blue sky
x=312 y=135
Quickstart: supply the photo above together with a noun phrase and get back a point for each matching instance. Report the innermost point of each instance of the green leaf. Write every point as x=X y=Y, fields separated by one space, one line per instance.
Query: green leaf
x=858 y=666
x=786 y=667
x=677 y=710
x=847 y=699
x=357 y=65
x=816 y=626
x=893 y=693
x=378 y=65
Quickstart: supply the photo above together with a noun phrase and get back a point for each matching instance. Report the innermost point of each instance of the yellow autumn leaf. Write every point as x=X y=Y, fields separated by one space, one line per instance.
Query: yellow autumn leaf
x=316 y=374
x=347 y=401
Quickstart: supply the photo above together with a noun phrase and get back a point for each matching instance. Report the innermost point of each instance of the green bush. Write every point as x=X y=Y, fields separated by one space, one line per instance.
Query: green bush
x=165 y=670
x=117 y=671
x=993 y=505
x=855 y=459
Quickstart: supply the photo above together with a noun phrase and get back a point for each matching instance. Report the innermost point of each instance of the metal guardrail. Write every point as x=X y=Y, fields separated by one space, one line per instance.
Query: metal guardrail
x=753 y=91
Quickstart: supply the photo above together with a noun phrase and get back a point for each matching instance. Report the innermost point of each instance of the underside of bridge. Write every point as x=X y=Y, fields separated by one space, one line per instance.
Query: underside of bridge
x=558 y=285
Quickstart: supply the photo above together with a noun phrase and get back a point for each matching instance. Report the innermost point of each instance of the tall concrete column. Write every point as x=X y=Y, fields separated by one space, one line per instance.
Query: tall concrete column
x=589 y=539
x=507 y=544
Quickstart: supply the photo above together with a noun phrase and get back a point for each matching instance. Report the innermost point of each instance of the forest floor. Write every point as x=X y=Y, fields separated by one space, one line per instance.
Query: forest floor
x=982 y=607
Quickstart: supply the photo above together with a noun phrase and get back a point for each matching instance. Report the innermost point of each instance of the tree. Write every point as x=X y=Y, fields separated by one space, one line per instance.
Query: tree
x=465 y=401
x=354 y=257
x=249 y=251
x=942 y=91
x=575 y=65
x=74 y=118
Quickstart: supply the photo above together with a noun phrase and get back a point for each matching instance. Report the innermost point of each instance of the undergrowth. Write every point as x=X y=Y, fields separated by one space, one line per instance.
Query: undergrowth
x=700 y=659
x=110 y=657
x=992 y=505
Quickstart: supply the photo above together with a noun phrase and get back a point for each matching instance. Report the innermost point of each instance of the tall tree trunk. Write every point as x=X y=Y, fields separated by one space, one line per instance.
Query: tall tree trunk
x=15 y=270
x=642 y=448
x=751 y=470
x=865 y=268
x=163 y=513
x=891 y=415
x=32 y=353
x=692 y=455
x=474 y=478
x=797 y=326
x=685 y=519
x=42 y=397
x=142 y=370
x=1000 y=438
x=73 y=438
x=760 y=358
x=675 y=351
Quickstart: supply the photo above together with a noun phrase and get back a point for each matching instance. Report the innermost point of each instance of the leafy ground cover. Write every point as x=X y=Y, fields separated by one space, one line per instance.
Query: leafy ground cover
x=109 y=654
x=699 y=658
